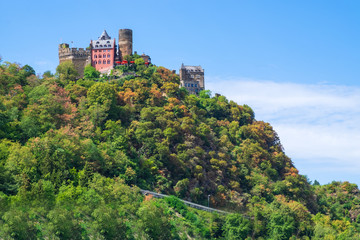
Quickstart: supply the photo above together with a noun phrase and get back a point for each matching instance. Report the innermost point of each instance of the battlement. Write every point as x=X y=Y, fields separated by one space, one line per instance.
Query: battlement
x=66 y=52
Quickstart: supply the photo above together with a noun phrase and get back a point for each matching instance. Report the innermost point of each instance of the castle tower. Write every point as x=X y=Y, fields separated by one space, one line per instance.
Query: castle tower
x=78 y=56
x=125 y=42
x=192 y=78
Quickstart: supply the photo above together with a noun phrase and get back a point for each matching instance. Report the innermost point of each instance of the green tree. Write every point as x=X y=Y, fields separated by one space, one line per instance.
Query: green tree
x=236 y=227
x=90 y=72
x=153 y=221
x=66 y=72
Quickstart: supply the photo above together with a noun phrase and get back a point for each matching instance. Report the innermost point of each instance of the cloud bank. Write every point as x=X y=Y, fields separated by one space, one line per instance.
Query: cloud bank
x=318 y=124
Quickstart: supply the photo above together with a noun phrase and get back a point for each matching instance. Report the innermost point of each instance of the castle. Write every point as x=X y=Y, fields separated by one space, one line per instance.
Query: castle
x=192 y=78
x=102 y=54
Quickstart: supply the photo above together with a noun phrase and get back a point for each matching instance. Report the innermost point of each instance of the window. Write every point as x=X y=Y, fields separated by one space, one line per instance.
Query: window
x=192 y=76
x=95 y=50
x=95 y=56
x=108 y=61
x=99 y=50
x=108 y=55
x=96 y=45
x=108 y=50
x=195 y=85
x=104 y=61
x=99 y=55
x=108 y=41
x=192 y=85
x=95 y=62
x=97 y=42
x=104 y=55
x=99 y=62
x=105 y=45
x=101 y=45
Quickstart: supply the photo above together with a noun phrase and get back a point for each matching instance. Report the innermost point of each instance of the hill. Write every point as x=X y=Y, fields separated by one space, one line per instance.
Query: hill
x=74 y=154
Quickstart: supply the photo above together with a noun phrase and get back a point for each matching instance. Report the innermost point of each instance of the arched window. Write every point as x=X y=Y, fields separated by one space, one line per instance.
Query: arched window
x=99 y=62
x=95 y=62
x=108 y=55
x=99 y=55
x=104 y=61
x=104 y=55
x=95 y=56
x=108 y=61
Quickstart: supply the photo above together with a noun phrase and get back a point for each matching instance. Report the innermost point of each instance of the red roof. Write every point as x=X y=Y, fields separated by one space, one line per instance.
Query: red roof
x=132 y=61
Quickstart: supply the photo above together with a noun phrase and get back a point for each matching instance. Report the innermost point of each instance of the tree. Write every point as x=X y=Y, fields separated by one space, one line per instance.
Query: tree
x=66 y=72
x=47 y=74
x=153 y=221
x=90 y=72
x=236 y=227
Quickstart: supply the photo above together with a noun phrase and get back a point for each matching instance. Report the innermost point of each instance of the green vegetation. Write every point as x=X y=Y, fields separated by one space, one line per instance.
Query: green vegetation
x=74 y=153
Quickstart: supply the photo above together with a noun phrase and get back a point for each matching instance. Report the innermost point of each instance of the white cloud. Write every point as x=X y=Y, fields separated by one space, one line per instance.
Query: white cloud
x=318 y=124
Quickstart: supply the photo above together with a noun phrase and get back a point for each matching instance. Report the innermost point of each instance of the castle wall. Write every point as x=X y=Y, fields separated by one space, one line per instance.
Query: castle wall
x=79 y=57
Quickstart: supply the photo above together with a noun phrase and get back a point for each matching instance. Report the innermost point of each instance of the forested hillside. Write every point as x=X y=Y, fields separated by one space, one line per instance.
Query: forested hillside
x=74 y=153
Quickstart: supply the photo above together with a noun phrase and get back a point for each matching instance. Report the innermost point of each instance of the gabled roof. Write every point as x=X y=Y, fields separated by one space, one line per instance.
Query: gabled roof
x=104 y=36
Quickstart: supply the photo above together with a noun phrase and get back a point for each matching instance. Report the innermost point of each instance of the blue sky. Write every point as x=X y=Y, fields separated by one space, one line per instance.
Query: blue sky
x=296 y=63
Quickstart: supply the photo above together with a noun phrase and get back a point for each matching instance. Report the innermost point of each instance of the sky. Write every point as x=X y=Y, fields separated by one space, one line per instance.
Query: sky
x=295 y=63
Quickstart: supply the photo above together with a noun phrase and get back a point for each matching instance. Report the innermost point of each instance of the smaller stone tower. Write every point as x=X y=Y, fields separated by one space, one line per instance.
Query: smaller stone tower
x=192 y=78
x=79 y=57
x=125 y=42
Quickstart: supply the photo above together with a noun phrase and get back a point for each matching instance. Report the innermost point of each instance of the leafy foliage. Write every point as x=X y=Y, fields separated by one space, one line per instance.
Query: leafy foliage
x=74 y=153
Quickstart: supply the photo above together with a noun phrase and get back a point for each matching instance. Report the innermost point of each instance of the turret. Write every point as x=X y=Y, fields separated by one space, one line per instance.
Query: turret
x=125 y=42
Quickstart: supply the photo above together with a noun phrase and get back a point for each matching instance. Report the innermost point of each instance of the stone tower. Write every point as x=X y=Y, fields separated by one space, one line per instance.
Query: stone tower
x=125 y=42
x=80 y=57
x=192 y=78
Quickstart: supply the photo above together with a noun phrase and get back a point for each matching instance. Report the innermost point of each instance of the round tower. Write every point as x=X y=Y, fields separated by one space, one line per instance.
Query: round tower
x=125 y=42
